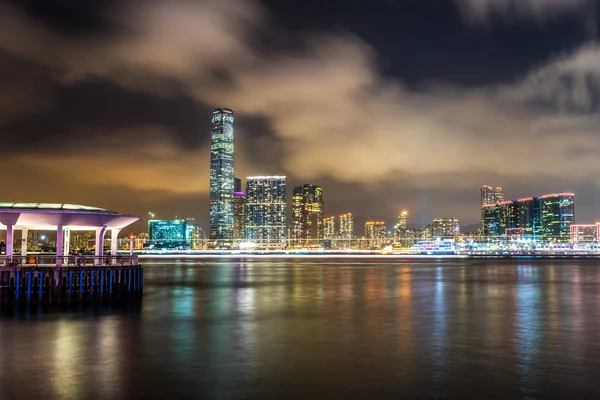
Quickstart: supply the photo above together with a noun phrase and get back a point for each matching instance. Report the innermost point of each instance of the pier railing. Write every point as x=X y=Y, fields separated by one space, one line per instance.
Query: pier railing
x=45 y=260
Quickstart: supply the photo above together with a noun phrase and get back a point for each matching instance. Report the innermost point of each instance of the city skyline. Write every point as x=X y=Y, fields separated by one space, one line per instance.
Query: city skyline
x=368 y=100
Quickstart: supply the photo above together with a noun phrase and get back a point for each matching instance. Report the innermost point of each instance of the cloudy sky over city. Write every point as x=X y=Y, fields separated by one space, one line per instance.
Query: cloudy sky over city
x=387 y=104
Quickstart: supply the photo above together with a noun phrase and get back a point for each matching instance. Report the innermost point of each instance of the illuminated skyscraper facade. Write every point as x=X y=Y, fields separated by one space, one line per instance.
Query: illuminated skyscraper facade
x=307 y=228
x=558 y=214
x=346 y=229
x=487 y=195
x=266 y=211
x=329 y=227
x=498 y=195
x=239 y=216
x=221 y=179
x=547 y=218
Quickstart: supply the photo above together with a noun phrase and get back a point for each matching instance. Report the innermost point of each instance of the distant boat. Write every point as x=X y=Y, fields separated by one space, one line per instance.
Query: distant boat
x=434 y=247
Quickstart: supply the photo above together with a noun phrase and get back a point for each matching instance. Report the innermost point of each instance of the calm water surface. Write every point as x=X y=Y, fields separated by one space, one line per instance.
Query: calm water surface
x=343 y=329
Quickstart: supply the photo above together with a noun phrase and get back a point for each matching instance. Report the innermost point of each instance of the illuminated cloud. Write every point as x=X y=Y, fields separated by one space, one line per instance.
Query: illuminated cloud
x=334 y=116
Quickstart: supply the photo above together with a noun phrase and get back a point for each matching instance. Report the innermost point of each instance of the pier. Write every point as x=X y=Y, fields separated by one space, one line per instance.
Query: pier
x=63 y=277
x=37 y=279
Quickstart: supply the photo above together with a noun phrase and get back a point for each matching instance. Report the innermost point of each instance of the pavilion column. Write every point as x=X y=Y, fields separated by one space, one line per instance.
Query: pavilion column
x=59 y=245
x=24 y=234
x=67 y=242
x=9 y=240
x=114 y=234
x=99 y=244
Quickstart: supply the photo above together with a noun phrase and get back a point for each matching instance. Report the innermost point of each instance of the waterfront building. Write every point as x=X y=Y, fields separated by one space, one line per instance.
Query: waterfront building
x=375 y=234
x=425 y=233
x=194 y=234
x=307 y=228
x=444 y=227
x=584 y=233
x=168 y=234
x=400 y=227
x=558 y=214
x=547 y=218
x=329 y=227
x=239 y=216
x=222 y=180
x=266 y=212
x=81 y=240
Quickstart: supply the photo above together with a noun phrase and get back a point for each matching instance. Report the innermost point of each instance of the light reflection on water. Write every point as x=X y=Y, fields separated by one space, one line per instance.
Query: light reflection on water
x=308 y=329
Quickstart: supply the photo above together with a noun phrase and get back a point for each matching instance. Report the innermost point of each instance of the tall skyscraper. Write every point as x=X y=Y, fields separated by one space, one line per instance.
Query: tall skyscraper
x=237 y=187
x=239 y=216
x=402 y=220
x=346 y=229
x=221 y=179
x=266 y=211
x=329 y=227
x=307 y=216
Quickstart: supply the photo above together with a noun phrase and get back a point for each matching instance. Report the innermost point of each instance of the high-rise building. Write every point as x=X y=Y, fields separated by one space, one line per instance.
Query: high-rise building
x=346 y=226
x=266 y=212
x=498 y=195
x=165 y=234
x=307 y=216
x=237 y=187
x=329 y=226
x=487 y=195
x=545 y=218
x=375 y=234
x=401 y=226
x=239 y=216
x=81 y=240
x=444 y=227
x=558 y=214
x=194 y=234
x=221 y=179
x=585 y=233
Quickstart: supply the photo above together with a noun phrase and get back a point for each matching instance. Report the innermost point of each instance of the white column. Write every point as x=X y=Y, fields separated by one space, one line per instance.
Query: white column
x=114 y=233
x=59 y=244
x=9 y=240
x=66 y=242
x=99 y=244
x=24 y=241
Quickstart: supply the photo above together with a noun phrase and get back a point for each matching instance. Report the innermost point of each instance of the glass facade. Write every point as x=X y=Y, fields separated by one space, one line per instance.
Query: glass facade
x=266 y=212
x=307 y=216
x=239 y=216
x=558 y=214
x=547 y=218
x=222 y=180
x=164 y=234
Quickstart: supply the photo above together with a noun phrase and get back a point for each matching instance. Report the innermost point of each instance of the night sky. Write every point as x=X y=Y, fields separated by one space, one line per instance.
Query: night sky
x=389 y=105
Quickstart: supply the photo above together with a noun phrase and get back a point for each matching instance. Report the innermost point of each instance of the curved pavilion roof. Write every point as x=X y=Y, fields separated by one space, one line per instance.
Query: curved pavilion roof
x=48 y=216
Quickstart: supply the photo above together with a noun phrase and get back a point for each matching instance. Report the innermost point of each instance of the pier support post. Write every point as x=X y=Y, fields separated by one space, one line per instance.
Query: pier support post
x=24 y=234
x=114 y=234
x=59 y=245
x=9 y=240
x=67 y=242
x=99 y=245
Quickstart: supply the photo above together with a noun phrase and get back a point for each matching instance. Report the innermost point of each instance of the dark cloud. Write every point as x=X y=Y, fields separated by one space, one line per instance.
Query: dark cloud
x=122 y=111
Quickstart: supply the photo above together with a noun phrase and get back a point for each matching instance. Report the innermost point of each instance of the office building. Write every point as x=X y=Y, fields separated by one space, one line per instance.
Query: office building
x=375 y=235
x=221 y=179
x=307 y=216
x=546 y=218
x=266 y=212
x=329 y=227
x=558 y=214
x=487 y=195
x=239 y=216
x=584 y=233
x=444 y=227
x=168 y=234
